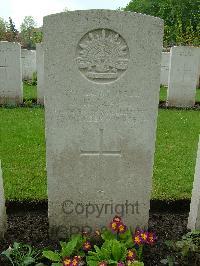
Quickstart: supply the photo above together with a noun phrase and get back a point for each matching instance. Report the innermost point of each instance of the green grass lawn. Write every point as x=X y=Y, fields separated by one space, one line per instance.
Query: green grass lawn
x=30 y=92
x=176 y=146
x=163 y=94
x=22 y=151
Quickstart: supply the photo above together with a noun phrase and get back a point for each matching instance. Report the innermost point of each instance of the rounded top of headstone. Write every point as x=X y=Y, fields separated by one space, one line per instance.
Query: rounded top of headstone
x=103 y=12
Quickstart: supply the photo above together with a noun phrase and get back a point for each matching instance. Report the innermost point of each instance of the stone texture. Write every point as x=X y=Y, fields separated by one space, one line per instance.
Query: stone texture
x=3 y=218
x=164 y=68
x=198 y=74
x=11 y=91
x=28 y=63
x=40 y=73
x=100 y=116
x=183 y=73
x=194 y=216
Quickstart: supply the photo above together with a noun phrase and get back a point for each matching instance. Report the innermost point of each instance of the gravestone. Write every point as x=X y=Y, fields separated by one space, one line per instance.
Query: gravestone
x=164 y=68
x=194 y=216
x=198 y=73
x=11 y=91
x=100 y=116
x=3 y=218
x=183 y=73
x=40 y=73
x=28 y=63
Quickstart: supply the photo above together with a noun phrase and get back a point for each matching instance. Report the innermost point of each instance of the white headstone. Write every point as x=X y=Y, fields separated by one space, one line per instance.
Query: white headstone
x=198 y=74
x=28 y=63
x=40 y=73
x=164 y=68
x=11 y=91
x=3 y=218
x=100 y=117
x=184 y=62
x=194 y=216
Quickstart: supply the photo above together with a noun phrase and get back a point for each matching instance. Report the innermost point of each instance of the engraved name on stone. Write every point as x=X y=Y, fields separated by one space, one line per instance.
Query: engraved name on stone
x=102 y=55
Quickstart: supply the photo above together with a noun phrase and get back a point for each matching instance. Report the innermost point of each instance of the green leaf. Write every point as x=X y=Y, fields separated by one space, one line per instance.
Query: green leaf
x=53 y=256
x=110 y=262
x=107 y=235
x=137 y=263
x=106 y=253
x=69 y=248
x=28 y=260
x=116 y=250
x=97 y=249
x=16 y=245
x=92 y=263
x=7 y=252
x=56 y=264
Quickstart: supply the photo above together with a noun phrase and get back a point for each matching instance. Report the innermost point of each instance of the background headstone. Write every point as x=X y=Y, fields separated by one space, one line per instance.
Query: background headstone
x=11 y=91
x=3 y=218
x=28 y=63
x=40 y=73
x=164 y=68
x=183 y=73
x=100 y=117
x=194 y=216
x=198 y=74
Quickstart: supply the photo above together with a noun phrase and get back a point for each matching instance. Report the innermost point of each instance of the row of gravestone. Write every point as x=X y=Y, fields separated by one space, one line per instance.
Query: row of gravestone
x=16 y=64
x=100 y=118
x=165 y=65
x=180 y=71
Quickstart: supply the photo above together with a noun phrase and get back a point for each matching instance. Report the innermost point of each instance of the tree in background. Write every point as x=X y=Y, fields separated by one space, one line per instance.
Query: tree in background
x=181 y=18
x=12 y=34
x=3 y=29
x=30 y=34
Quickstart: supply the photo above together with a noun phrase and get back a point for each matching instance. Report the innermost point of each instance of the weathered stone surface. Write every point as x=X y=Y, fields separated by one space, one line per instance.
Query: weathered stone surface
x=102 y=71
x=28 y=63
x=3 y=218
x=164 y=68
x=10 y=73
x=40 y=73
x=198 y=74
x=183 y=73
x=194 y=216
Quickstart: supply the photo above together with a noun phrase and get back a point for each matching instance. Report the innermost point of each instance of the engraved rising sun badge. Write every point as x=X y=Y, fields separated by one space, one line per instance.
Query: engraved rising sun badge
x=102 y=55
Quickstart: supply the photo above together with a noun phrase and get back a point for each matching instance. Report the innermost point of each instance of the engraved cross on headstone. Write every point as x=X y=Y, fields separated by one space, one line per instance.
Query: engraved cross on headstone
x=101 y=152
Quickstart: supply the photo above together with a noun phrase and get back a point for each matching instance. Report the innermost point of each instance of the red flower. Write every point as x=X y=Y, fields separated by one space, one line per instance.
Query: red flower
x=114 y=226
x=151 y=238
x=144 y=235
x=120 y=264
x=131 y=255
x=137 y=239
x=117 y=219
x=121 y=228
x=87 y=246
x=102 y=263
x=71 y=262
x=117 y=225
x=67 y=262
